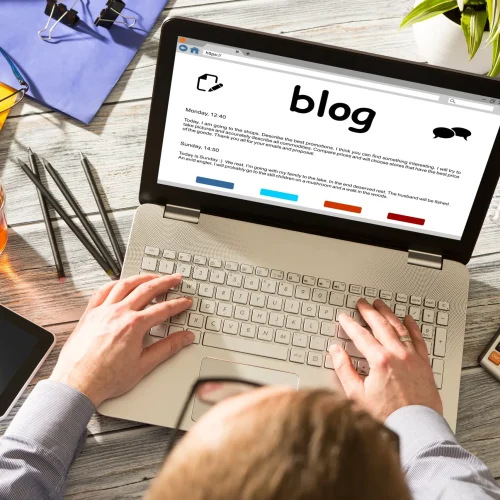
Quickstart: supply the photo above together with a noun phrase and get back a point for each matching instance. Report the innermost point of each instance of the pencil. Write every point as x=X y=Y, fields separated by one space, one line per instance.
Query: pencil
x=48 y=224
x=83 y=219
x=102 y=210
x=66 y=218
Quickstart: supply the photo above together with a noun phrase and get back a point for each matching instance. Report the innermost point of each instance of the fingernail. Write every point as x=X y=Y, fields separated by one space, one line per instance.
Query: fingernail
x=334 y=349
x=177 y=276
x=188 y=338
x=342 y=315
x=410 y=319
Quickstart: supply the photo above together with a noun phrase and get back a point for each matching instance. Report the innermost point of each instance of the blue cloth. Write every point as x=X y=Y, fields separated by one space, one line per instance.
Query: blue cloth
x=75 y=72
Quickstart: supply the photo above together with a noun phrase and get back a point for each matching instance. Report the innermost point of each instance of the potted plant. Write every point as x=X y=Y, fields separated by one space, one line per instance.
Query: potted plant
x=452 y=34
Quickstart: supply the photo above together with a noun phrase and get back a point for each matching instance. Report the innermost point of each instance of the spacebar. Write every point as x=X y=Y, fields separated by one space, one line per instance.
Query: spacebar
x=246 y=346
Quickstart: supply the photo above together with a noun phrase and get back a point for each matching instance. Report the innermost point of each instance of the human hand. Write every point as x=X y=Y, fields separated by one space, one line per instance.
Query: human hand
x=104 y=356
x=400 y=372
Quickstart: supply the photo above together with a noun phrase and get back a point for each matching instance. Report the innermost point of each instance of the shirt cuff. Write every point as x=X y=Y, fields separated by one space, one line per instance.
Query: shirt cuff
x=55 y=416
x=418 y=427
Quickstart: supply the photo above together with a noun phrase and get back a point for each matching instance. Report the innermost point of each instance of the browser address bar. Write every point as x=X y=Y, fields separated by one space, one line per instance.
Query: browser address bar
x=333 y=78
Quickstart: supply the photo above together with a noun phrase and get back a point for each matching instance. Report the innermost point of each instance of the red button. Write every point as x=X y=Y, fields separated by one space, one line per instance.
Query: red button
x=406 y=218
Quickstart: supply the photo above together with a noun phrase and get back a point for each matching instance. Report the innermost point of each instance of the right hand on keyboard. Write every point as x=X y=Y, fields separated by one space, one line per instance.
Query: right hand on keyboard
x=400 y=373
x=104 y=357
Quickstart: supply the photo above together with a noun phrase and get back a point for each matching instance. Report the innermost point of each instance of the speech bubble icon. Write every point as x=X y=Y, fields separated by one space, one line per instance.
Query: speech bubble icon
x=462 y=132
x=443 y=132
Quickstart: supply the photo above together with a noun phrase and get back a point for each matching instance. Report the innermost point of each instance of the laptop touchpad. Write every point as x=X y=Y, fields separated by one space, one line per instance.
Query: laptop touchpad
x=215 y=368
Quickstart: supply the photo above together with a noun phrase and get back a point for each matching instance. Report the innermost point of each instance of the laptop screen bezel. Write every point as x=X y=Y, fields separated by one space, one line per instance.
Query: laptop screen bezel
x=293 y=219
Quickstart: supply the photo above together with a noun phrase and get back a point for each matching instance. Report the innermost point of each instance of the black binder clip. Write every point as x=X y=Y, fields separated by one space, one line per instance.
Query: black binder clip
x=110 y=14
x=61 y=14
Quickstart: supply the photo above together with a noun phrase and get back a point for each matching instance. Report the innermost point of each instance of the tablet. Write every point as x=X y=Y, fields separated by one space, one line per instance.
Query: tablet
x=24 y=346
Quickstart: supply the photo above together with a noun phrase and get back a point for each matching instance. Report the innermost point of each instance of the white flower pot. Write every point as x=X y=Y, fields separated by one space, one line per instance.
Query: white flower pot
x=441 y=42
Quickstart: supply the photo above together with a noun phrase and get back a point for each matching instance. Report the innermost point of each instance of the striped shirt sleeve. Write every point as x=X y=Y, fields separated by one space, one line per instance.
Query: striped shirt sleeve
x=435 y=465
x=42 y=441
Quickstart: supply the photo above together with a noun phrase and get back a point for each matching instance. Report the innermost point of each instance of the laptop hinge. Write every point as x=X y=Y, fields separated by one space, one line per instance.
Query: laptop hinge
x=424 y=259
x=183 y=214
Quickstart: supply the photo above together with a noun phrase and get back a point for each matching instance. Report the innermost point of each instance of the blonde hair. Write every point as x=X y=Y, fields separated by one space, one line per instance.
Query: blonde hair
x=305 y=445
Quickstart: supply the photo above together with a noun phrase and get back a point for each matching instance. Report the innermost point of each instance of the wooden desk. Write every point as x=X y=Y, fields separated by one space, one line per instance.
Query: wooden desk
x=121 y=457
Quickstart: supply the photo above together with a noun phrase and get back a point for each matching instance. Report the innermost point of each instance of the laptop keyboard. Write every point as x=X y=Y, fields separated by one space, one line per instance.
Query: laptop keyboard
x=281 y=314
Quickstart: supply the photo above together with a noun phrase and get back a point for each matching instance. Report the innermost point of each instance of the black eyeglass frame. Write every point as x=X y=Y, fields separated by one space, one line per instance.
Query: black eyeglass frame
x=19 y=78
x=192 y=392
x=385 y=431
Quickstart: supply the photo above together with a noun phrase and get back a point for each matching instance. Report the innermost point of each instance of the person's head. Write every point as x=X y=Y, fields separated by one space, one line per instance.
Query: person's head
x=280 y=444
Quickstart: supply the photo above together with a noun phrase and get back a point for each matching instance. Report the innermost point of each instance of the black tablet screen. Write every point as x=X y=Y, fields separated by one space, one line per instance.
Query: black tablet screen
x=16 y=346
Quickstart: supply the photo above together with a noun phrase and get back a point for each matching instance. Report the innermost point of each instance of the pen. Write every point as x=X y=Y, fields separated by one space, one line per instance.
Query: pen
x=216 y=87
x=48 y=223
x=83 y=219
x=102 y=210
x=66 y=218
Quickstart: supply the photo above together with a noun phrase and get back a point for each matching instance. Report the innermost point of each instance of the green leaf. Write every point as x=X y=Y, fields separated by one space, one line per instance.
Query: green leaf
x=495 y=64
x=493 y=9
x=473 y=23
x=428 y=9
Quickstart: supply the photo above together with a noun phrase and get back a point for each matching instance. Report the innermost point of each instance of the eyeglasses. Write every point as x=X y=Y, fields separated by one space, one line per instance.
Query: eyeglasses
x=18 y=95
x=211 y=391
x=208 y=393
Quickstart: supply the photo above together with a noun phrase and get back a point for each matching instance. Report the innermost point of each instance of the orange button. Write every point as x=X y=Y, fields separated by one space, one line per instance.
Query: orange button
x=495 y=357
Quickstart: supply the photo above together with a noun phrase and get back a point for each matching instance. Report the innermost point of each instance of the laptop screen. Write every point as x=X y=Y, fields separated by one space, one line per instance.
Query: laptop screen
x=325 y=140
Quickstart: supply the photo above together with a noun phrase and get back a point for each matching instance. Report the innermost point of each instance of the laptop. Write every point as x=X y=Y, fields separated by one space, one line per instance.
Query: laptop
x=285 y=180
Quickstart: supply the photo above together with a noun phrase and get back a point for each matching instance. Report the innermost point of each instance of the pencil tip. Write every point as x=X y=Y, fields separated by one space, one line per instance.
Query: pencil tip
x=29 y=151
x=81 y=155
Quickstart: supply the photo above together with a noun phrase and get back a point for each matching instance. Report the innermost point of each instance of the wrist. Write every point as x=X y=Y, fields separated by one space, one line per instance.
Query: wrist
x=82 y=386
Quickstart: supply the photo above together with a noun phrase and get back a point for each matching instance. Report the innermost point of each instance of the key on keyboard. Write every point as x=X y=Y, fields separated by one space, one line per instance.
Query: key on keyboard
x=281 y=314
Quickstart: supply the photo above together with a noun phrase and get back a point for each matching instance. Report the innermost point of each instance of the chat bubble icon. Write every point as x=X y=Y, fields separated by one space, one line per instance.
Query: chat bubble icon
x=462 y=132
x=443 y=132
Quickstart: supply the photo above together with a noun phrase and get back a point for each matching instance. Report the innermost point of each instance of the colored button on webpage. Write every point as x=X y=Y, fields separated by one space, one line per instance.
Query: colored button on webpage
x=215 y=182
x=279 y=195
x=342 y=206
x=406 y=218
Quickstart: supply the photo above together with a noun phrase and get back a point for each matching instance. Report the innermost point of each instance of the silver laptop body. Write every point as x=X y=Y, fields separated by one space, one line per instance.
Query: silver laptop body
x=266 y=292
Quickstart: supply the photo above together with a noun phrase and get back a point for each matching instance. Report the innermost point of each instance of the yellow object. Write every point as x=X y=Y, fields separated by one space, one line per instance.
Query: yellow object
x=5 y=90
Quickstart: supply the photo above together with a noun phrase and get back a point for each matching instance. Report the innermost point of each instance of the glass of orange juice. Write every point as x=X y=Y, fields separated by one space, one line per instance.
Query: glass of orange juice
x=4 y=235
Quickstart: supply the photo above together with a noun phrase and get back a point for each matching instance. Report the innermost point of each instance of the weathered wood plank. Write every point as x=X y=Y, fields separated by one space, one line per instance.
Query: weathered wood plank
x=114 y=460
x=30 y=284
x=478 y=417
x=114 y=148
x=483 y=311
x=379 y=36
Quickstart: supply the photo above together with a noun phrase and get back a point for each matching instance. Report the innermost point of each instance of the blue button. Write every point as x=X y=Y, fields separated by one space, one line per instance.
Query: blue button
x=215 y=182
x=279 y=195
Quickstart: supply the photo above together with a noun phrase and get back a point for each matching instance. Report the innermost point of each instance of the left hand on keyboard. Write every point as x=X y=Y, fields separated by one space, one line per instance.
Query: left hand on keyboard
x=104 y=357
x=400 y=372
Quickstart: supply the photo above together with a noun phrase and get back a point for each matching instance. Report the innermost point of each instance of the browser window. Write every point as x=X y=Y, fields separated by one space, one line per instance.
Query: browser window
x=325 y=140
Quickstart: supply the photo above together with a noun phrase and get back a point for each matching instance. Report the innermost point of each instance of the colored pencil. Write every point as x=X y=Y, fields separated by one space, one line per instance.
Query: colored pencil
x=81 y=216
x=48 y=224
x=66 y=218
x=102 y=210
